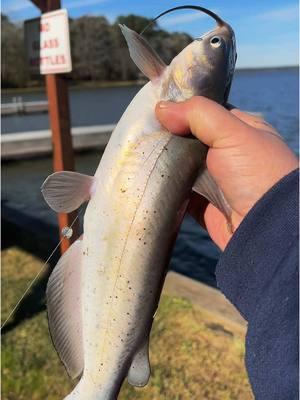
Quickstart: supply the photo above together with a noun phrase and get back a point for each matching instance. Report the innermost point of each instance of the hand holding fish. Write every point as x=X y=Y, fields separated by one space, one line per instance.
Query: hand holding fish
x=246 y=157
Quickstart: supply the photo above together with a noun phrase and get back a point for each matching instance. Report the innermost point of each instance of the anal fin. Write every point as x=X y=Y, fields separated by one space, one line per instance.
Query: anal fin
x=139 y=371
x=64 y=309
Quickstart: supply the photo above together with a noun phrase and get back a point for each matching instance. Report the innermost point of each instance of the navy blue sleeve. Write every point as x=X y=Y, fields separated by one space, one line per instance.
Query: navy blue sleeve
x=259 y=273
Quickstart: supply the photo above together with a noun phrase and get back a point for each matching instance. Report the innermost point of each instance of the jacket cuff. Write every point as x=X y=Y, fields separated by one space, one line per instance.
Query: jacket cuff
x=258 y=246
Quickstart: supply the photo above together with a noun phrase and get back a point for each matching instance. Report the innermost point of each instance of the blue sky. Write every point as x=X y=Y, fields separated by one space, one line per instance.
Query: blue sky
x=267 y=32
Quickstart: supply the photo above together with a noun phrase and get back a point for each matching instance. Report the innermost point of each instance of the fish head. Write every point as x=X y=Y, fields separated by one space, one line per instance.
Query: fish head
x=204 y=68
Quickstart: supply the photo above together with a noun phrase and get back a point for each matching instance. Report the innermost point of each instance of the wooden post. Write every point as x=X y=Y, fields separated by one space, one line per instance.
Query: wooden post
x=63 y=155
x=59 y=115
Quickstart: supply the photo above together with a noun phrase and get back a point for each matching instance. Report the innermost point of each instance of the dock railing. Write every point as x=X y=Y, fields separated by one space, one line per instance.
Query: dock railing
x=37 y=143
x=18 y=106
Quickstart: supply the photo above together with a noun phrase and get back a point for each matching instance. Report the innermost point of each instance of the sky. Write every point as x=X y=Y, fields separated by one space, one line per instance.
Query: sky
x=267 y=32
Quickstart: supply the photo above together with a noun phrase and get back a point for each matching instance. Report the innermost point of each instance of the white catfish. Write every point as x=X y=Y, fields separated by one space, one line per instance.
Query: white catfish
x=104 y=291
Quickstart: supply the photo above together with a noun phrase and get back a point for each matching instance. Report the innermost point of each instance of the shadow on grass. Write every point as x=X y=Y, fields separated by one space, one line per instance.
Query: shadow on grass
x=41 y=247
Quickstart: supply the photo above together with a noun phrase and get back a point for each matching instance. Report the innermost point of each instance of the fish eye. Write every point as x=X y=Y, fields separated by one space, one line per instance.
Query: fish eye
x=215 y=41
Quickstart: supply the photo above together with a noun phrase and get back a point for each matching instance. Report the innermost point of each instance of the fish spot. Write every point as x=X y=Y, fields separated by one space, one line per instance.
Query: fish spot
x=128 y=313
x=162 y=175
x=130 y=288
x=123 y=190
x=145 y=243
x=128 y=281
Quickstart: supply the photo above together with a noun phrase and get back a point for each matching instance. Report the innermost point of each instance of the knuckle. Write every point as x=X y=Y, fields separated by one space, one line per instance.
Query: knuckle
x=195 y=101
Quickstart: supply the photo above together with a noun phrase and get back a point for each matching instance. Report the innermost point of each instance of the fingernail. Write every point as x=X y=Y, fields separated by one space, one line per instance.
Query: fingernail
x=164 y=104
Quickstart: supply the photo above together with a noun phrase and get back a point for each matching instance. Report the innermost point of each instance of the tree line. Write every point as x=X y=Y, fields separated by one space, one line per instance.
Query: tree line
x=99 y=51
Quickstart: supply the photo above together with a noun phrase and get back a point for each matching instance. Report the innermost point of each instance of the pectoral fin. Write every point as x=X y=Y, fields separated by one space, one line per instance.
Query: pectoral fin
x=207 y=187
x=64 y=309
x=139 y=371
x=65 y=191
x=142 y=54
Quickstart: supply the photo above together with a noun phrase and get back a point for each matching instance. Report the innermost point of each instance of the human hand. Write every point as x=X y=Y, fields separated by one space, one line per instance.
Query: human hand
x=246 y=157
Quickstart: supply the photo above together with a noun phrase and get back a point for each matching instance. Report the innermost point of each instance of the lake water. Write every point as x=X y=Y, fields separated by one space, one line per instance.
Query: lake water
x=274 y=93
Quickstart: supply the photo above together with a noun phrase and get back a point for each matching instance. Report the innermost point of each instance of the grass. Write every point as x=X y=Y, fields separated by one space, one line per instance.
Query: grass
x=193 y=354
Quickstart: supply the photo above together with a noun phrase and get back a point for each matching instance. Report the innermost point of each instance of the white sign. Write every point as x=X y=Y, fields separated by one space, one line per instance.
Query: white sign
x=48 y=43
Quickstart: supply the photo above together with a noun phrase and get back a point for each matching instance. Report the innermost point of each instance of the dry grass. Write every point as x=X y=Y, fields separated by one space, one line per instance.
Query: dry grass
x=193 y=354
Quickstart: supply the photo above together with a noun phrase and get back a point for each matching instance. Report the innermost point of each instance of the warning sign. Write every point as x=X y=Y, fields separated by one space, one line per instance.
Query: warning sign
x=48 y=43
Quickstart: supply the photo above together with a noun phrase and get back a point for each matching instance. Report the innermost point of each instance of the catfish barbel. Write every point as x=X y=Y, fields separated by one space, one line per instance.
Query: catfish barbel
x=104 y=291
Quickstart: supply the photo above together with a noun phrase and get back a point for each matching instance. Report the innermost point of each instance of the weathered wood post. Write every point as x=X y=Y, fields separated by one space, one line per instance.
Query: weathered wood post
x=59 y=115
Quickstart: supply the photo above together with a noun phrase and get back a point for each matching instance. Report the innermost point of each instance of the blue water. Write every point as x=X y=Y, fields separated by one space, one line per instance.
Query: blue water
x=274 y=93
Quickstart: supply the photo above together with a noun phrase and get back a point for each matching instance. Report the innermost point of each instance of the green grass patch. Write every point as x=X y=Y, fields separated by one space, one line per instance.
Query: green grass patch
x=193 y=354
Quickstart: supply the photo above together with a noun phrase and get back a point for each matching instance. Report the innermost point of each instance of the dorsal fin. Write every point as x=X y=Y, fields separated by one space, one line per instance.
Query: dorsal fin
x=142 y=54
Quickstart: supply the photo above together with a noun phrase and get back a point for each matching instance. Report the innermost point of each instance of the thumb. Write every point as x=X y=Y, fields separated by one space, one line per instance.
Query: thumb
x=208 y=121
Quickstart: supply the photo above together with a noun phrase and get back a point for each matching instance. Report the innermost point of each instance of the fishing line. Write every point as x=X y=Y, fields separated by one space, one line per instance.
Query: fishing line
x=187 y=7
x=66 y=233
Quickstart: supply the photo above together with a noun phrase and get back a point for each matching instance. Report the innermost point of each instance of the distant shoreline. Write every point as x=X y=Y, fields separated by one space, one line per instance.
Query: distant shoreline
x=77 y=85
x=258 y=69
